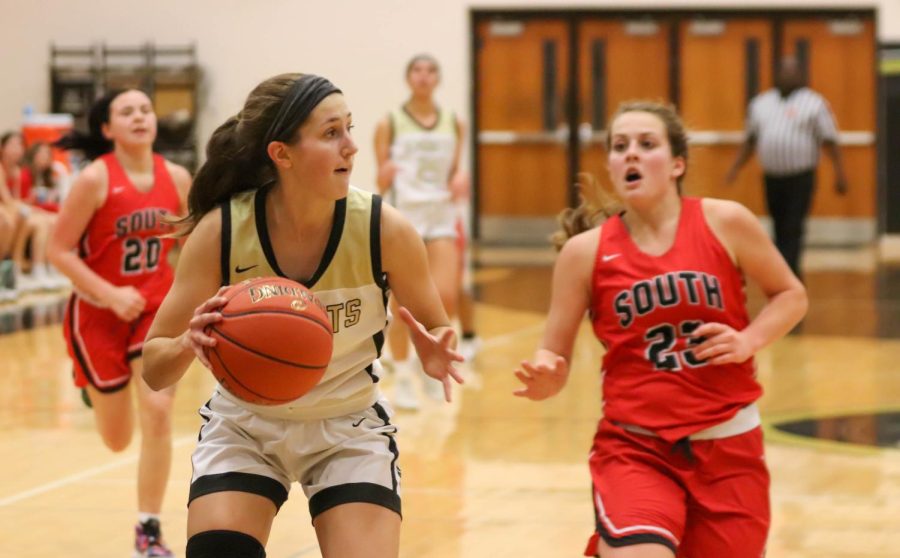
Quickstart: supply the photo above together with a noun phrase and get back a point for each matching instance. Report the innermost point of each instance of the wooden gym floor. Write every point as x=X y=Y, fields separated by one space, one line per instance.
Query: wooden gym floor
x=492 y=476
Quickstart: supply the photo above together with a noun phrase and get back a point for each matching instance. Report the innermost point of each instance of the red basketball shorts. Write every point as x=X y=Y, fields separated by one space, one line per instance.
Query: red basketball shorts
x=101 y=345
x=700 y=498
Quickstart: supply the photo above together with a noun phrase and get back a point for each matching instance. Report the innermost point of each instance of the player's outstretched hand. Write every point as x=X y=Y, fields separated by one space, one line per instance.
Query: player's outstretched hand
x=542 y=379
x=436 y=353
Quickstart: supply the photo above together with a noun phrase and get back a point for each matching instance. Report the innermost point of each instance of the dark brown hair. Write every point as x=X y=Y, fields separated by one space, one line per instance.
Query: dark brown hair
x=597 y=204
x=43 y=177
x=236 y=154
x=94 y=143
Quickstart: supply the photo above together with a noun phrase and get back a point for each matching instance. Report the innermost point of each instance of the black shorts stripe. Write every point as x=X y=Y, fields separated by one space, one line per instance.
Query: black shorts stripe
x=378 y=339
x=354 y=493
x=205 y=418
x=631 y=540
x=79 y=356
x=392 y=444
x=370 y=370
x=135 y=353
x=239 y=482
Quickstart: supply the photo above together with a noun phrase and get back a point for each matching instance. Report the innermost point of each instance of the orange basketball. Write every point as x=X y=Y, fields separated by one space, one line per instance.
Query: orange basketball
x=274 y=342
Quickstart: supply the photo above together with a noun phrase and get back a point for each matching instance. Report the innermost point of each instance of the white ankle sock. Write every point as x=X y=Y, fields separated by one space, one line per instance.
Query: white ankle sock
x=144 y=517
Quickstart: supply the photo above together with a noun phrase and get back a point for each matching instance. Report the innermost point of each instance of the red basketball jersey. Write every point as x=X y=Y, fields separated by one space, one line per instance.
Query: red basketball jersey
x=644 y=309
x=123 y=242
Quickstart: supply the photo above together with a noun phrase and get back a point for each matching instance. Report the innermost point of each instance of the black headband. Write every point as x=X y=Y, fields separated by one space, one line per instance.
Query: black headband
x=304 y=95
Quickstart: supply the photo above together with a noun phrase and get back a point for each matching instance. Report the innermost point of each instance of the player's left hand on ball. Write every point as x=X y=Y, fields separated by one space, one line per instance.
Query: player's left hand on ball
x=205 y=315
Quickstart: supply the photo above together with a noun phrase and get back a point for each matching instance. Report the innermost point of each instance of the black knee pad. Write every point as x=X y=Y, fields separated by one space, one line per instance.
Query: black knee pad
x=224 y=544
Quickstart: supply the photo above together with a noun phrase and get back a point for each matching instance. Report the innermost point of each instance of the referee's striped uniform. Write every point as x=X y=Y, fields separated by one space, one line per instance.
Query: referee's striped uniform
x=789 y=132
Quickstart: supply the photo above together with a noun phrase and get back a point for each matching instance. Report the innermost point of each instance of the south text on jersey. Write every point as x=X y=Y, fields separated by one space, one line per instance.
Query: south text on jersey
x=146 y=219
x=667 y=290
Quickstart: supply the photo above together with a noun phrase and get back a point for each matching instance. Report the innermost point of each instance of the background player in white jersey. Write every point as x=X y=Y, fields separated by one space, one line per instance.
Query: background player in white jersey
x=277 y=172
x=417 y=147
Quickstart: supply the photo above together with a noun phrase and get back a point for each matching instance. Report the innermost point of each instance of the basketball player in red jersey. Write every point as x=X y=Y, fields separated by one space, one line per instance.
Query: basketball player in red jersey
x=115 y=215
x=677 y=462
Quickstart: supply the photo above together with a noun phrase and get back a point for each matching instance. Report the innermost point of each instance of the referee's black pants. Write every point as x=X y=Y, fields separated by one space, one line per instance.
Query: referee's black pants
x=788 y=199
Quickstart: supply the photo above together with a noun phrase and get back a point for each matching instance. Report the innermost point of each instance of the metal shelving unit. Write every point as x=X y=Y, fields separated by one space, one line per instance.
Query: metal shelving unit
x=168 y=74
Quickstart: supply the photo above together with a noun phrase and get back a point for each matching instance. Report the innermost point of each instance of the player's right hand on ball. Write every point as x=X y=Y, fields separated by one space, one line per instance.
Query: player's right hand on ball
x=195 y=338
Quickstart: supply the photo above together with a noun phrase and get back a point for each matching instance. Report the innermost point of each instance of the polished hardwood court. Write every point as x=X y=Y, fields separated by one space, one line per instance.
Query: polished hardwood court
x=491 y=475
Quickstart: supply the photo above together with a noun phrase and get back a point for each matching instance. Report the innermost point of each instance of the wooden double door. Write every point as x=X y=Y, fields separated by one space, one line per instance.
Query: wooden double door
x=545 y=88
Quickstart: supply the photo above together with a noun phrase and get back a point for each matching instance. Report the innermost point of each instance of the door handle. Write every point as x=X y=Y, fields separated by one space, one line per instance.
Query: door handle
x=585 y=133
x=588 y=137
x=734 y=137
x=560 y=136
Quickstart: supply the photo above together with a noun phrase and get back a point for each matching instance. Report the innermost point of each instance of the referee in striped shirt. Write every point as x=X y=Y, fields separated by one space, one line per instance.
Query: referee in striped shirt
x=787 y=125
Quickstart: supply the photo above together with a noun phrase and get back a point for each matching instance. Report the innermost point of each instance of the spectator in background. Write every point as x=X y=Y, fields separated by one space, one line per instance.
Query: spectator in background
x=32 y=226
x=8 y=291
x=42 y=180
x=786 y=126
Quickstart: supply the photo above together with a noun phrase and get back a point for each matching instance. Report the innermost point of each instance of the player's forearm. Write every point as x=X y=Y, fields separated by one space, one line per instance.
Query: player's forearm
x=834 y=153
x=88 y=283
x=782 y=312
x=385 y=178
x=165 y=360
x=743 y=156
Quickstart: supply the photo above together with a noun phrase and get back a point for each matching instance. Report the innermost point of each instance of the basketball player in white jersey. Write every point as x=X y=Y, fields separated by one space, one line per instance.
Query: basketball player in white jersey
x=417 y=147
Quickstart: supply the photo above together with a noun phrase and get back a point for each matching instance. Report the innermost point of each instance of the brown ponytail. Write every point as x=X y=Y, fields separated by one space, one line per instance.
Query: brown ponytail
x=595 y=206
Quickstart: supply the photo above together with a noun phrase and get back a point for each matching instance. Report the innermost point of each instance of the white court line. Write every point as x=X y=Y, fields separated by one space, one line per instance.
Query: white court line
x=84 y=475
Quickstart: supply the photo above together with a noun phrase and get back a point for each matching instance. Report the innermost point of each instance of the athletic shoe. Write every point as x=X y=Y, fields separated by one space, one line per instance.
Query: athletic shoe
x=148 y=541
x=405 y=396
x=468 y=347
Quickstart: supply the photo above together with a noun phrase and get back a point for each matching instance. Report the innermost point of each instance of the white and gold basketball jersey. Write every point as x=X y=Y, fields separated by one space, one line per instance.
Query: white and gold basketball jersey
x=424 y=158
x=349 y=282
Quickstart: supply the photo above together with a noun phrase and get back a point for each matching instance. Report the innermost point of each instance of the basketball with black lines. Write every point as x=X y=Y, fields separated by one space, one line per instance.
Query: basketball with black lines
x=273 y=343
